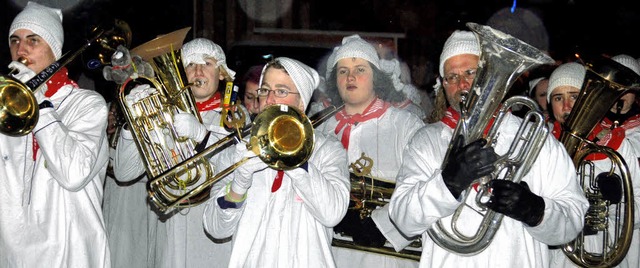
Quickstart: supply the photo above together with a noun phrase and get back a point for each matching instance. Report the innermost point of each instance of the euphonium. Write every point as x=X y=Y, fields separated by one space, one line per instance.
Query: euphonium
x=281 y=136
x=150 y=119
x=502 y=60
x=19 y=110
x=605 y=82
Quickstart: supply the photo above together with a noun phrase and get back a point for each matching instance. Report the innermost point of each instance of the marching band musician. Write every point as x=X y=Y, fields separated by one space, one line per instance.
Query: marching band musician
x=178 y=239
x=368 y=125
x=547 y=207
x=281 y=218
x=50 y=207
x=565 y=84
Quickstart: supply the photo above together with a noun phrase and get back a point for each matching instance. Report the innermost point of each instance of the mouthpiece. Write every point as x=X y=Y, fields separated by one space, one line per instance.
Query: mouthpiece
x=199 y=83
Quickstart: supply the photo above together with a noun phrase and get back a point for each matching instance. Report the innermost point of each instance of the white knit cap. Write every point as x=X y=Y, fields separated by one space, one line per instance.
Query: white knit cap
x=197 y=50
x=353 y=47
x=304 y=77
x=43 y=21
x=460 y=42
x=628 y=62
x=533 y=83
x=567 y=74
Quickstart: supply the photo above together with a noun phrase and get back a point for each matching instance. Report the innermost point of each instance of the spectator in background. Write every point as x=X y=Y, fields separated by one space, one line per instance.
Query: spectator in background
x=249 y=87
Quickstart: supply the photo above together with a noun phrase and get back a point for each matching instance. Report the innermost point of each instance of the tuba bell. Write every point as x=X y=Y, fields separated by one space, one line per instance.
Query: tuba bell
x=605 y=82
x=502 y=60
x=150 y=119
x=18 y=108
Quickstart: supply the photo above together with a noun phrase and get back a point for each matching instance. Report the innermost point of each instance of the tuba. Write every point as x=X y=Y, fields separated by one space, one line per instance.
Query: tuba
x=502 y=60
x=19 y=111
x=605 y=82
x=150 y=119
x=281 y=136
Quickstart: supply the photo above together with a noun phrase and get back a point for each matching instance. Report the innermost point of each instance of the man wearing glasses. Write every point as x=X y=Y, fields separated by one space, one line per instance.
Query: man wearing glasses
x=546 y=208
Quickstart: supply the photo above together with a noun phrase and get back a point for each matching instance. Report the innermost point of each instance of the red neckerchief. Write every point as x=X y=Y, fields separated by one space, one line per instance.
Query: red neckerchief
x=451 y=117
x=57 y=81
x=210 y=104
x=374 y=110
x=612 y=139
x=278 y=181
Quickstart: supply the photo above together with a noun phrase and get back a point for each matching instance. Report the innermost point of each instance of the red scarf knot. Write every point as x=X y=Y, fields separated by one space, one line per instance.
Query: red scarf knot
x=376 y=109
x=210 y=104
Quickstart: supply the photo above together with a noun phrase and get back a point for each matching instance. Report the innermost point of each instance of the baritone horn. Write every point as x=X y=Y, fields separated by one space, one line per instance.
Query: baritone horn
x=502 y=60
x=18 y=108
x=605 y=82
x=150 y=119
x=281 y=136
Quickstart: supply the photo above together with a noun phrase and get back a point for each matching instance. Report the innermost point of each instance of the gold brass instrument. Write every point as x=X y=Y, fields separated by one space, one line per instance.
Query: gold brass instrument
x=605 y=82
x=150 y=119
x=368 y=193
x=281 y=136
x=18 y=108
x=502 y=60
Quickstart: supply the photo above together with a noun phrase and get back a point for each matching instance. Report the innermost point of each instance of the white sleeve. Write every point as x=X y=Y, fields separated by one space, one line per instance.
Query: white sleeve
x=421 y=198
x=128 y=164
x=75 y=147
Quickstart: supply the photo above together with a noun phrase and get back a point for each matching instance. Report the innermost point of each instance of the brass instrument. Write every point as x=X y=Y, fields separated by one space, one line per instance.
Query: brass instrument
x=605 y=82
x=368 y=193
x=281 y=136
x=150 y=119
x=502 y=60
x=18 y=108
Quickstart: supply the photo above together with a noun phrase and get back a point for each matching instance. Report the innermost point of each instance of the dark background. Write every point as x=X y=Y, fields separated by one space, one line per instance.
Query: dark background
x=597 y=27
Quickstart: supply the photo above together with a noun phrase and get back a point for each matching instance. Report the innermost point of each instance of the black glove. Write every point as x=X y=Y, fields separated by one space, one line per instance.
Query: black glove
x=610 y=187
x=467 y=163
x=516 y=201
x=368 y=234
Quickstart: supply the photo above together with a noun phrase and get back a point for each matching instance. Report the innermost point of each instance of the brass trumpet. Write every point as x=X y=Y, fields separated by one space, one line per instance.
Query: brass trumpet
x=18 y=108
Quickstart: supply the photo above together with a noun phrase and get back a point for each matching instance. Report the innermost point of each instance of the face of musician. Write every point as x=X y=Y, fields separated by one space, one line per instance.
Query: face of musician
x=251 y=97
x=459 y=72
x=209 y=74
x=562 y=100
x=24 y=43
x=279 y=89
x=627 y=101
x=354 y=78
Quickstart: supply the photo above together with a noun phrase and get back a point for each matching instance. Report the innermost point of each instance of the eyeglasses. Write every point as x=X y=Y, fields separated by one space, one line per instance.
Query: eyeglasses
x=279 y=93
x=468 y=76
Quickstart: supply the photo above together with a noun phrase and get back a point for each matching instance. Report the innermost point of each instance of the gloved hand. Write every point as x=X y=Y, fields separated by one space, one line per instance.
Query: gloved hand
x=24 y=73
x=244 y=174
x=137 y=93
x=466 y=164
x=516 y=201
x=368 y=234
x=610 y=187
x=187 y=125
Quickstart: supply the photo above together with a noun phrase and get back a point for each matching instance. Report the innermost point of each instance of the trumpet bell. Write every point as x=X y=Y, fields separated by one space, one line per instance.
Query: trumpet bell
x=282 y=136
x=18 y=108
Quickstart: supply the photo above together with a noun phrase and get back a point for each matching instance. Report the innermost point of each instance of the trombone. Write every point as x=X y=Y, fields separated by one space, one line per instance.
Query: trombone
x=281 y=135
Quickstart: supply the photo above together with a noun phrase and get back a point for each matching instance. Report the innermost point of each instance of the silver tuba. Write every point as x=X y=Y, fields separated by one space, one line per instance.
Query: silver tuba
x=503 y=59
x=605 y=82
